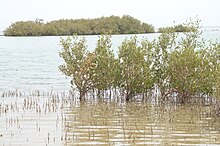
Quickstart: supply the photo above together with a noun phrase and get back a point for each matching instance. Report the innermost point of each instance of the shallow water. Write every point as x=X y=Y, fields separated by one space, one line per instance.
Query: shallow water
x=57 y=119
x=141 y=124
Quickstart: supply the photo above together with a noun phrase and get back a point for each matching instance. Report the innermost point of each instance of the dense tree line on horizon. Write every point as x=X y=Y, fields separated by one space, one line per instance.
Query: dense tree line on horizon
x=176 y=28
x=104 y=25
x=175 y=67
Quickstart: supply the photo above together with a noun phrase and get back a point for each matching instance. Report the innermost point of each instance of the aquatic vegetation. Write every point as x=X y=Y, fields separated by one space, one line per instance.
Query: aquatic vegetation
x=33 y=117
x=176 y=28
x=106 y=66
x=58 y=118
x=113 y=25
x=136 y=76
x=174 y=66
x=80 y=64
x=169 y=68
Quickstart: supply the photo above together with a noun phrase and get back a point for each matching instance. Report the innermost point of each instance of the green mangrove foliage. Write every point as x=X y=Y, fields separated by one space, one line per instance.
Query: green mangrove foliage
x=177 y=28
x=215 y=62
x=28 y=28
x=171 y=66
x=136 y=76
x=217 y=84
x=110 y=25
x=80 y=64
x=106 y=70
x=161 y=49
x=191 y=72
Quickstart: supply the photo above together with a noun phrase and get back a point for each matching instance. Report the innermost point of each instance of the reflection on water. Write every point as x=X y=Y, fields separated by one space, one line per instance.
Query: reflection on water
x=141 y=124
x=42 y=118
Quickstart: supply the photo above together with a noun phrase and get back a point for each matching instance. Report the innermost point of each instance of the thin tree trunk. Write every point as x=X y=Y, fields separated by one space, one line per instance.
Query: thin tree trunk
x=98 y=94
x=82 y=95
x=128 y=95
x=110 y=94
x=93 y=93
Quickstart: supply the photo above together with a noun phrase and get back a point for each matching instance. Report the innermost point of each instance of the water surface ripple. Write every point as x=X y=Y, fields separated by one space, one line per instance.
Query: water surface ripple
x=58 y=120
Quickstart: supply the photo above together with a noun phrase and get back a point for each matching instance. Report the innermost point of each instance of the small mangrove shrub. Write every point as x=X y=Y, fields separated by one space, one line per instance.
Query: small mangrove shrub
x=174 y=65
x=79 y=64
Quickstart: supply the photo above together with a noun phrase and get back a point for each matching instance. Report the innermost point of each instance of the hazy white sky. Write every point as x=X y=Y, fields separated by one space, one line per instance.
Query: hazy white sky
x=156 y=12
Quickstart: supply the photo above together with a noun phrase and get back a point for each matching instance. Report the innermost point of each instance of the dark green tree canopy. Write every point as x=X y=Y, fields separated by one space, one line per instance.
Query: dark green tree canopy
x=176 y=28
x=103 y=25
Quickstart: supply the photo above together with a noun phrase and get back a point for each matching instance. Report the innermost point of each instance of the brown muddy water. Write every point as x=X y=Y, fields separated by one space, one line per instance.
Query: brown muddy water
x=40 y=118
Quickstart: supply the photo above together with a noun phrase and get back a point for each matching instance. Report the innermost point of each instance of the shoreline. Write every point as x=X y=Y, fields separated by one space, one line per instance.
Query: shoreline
x=77 y=35
x=94 y=34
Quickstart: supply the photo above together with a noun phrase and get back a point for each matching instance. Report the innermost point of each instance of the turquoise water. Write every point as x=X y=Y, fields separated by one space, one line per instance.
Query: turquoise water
x=29 y=63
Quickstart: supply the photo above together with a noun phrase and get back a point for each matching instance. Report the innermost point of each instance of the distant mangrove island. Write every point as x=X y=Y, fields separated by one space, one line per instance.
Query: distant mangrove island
x=104 y=25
